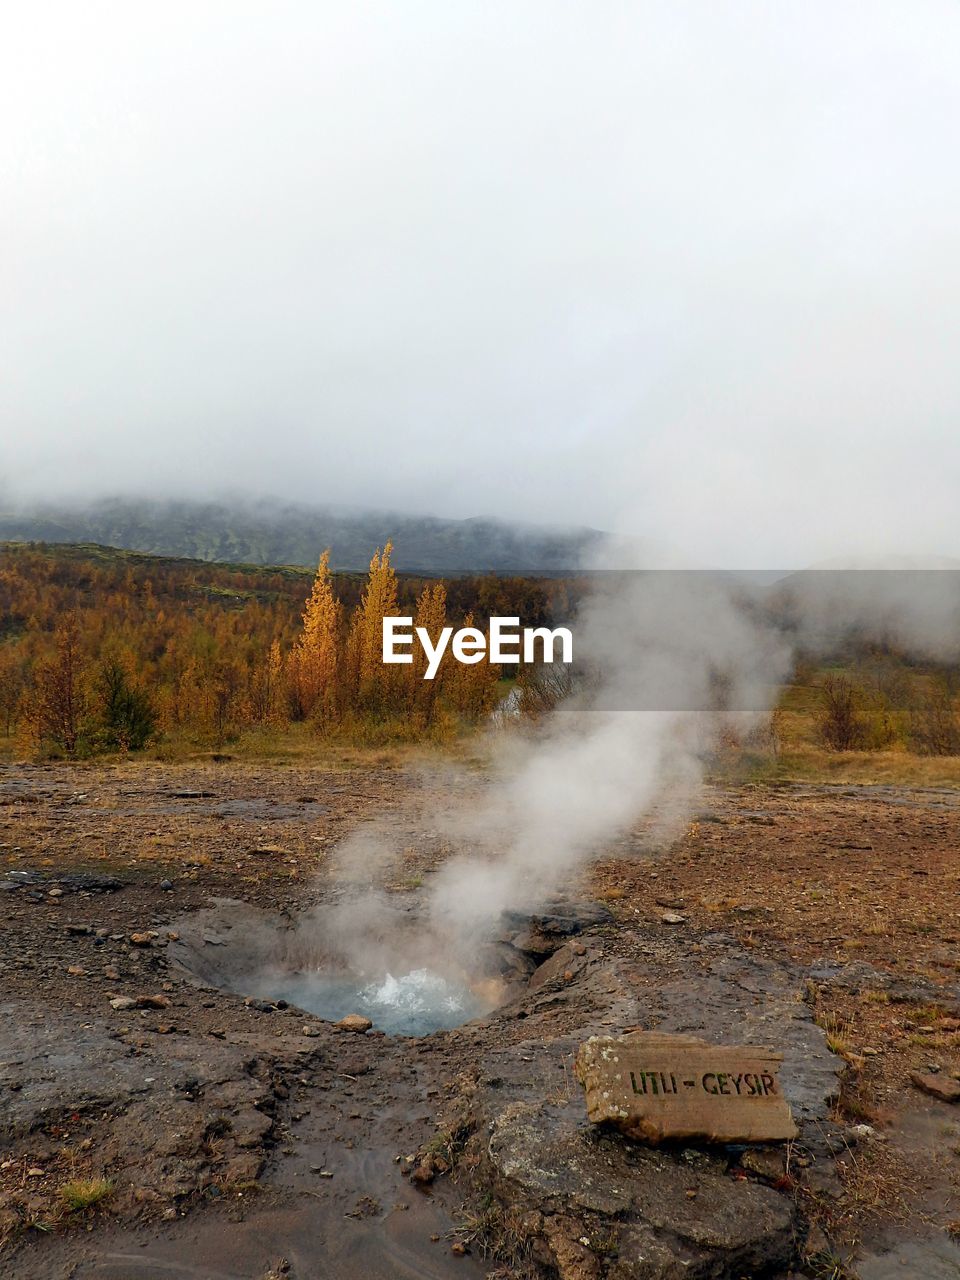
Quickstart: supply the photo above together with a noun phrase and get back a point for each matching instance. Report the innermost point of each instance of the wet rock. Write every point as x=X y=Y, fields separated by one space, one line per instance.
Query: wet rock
x=937 y=1086
x=563 y=966
x=503 y=960
x=675 y=1217
x=354 y=1022
x=537 y=1148
x=540 y=933
x=83 y=882
x=424 y=1172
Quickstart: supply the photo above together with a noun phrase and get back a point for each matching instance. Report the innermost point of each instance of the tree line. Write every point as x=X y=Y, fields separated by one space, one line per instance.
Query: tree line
x=106 y=651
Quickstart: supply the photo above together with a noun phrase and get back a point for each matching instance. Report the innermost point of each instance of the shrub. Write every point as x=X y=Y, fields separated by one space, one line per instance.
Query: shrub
x=128 y=718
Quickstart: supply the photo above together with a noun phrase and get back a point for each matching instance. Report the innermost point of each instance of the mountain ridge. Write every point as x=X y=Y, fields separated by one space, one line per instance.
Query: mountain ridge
x=273 y=532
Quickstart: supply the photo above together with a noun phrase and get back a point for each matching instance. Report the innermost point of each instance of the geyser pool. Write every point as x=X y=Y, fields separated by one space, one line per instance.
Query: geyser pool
x=408 y=1004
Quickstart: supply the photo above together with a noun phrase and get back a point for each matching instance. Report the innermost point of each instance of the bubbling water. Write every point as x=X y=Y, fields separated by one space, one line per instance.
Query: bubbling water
x=411 y=1004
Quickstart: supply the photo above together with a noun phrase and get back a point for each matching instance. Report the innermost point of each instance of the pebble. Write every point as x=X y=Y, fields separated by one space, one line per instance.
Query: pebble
x=354 y=1022
x=123 y=1003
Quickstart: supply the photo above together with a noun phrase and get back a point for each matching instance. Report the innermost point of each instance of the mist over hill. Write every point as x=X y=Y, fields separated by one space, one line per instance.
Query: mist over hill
x=274 y=532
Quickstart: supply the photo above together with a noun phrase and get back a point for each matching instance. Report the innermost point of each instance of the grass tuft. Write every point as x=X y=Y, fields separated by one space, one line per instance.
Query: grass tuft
x=81 y=1194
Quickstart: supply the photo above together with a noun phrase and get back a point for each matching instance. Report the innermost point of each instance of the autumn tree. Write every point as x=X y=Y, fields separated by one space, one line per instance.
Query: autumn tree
x=431 y=615
x=374 y=682
x=473 y=686
x=59 y=689
x=11 y=687
x=315 y=657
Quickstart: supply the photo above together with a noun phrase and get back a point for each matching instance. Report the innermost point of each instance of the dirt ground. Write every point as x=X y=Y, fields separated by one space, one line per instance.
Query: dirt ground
x=239 y=1140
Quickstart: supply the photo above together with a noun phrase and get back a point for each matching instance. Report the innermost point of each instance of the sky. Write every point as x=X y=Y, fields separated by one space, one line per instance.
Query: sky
x=688 y=270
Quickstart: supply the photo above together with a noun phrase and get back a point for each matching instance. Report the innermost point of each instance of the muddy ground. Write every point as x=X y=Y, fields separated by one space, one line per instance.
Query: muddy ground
x=246 y=1141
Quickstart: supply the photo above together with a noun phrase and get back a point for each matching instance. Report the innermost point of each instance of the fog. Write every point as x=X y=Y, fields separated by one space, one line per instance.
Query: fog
x=688 y=271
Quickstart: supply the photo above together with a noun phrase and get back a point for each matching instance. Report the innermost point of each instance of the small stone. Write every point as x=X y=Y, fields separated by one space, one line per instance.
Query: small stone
x=123 y=1003
x=141 y=939
x=55 y=893
x=354 y=1022
x=166 y=885
x=311 y=1030
x=76 y=971
x=34 y=1172
x=423 y=1173
x=112 y=972
x=672 y=917
x=153 y=1002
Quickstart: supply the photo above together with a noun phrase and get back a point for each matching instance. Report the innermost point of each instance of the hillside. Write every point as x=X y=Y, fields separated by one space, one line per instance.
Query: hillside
x=269 y=532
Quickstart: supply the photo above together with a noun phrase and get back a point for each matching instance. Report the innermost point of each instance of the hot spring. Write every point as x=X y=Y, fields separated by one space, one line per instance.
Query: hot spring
x=380 y=963
x=364 y=956
x=403 y=1004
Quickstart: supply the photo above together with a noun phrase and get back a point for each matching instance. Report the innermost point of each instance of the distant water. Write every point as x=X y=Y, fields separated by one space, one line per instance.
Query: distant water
x=413 y=1004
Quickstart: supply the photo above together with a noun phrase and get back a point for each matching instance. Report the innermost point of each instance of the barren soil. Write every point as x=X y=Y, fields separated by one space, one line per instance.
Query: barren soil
x=246 y=1141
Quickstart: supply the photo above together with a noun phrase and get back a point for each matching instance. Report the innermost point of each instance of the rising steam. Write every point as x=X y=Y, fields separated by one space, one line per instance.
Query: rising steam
x=671 y=659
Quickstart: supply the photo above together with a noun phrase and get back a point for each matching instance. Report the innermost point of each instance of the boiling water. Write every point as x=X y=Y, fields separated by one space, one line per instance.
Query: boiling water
x=413 y=1004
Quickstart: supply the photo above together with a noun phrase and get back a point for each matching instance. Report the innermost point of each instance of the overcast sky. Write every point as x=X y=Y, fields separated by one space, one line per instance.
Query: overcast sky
x=688 y=270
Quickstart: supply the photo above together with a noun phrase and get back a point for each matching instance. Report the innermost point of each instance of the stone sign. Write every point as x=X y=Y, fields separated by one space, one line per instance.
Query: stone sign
x=659 y=1087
